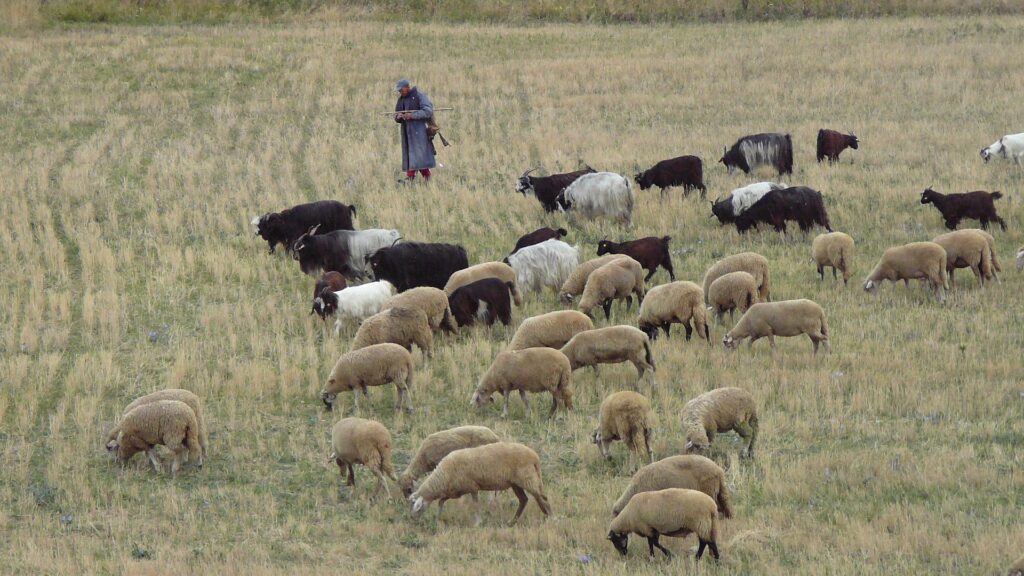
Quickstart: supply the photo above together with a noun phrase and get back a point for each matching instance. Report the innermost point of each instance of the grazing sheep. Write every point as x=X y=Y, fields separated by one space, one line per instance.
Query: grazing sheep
x=542 y=265
x=331 y=281
x=432 y=301
x=690 y=471
x=1017 y=568
x=834 y=249
x=577 y=280
x=179 y=394
x=625 y=416
x=537 y=236
x=356 y=302
x=498 y=270
x=979 y=205
x=670 y=512
x=487 y=300
x=751 y=262
x=616 y=280
x=366 y=442
x=402 y=326
x=966 y=249
x=735 y=290
x=917 y=260
x=551 y=330
x=599 y=194
x=438 y=445
x=718 y=411
x=530 y=370
x=611 y=345
x=489 y=468
x=785 y=318
x=375 y=365
x=171 y=423
x=674 y=303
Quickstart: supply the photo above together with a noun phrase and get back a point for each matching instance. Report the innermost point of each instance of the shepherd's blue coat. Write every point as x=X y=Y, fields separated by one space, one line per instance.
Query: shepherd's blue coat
x=417 y=149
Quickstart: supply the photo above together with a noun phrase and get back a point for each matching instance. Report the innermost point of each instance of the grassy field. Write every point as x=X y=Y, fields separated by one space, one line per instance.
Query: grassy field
x=131 y=160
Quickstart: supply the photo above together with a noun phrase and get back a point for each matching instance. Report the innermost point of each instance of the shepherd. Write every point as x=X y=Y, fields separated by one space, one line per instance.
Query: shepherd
x=413 y=111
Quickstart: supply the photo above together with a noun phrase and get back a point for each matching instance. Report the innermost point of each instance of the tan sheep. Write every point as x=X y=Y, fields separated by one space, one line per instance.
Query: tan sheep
x=432 y=301
x=1017 y=568
x=670 y=512
x=375 y=365
x=732 y=291
x=750 y=262
x=834 y=250
x=995 y=265
x=437 y=446
x=487 y=468
x=170 y=423
x=785 y=318
x=498 y=270
x=718 y=411
x=179 y=394
x=611 y=345
x=577 y=281
x=551 y=330
x=402 y=326
x=674 y=303
x=625 y=416
x=529 y=370
x=917 y=260
x=686 y=471
x=619 y=279
x=366 y=442
x=967 y=249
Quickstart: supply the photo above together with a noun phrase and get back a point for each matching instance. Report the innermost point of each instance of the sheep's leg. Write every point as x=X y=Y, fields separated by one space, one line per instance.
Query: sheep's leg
x=689 y=330
x=523 y=500
x=381 y=481
x=504 y=410
x=835 y=273
x=746 y=432
x=714 y=550
x=154 y=459
x=355 y=402
x=771 y=340
x=653 y=542
x=814 y=341
x=526 y=402
x=821 y=272
x=629 y=302
x=554 y=403
x=401 y=399
x=351 y=481
x=607 y=307
x=952 y=277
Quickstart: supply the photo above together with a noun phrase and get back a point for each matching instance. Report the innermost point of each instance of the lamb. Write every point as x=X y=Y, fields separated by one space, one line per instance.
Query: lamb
x=967 y=249
x=670 y=512
x=438 y=445
x=530 y=370
x=333 y=281
x=686 y=471
x=375 y=365
x=542 y=265
x=735 y=290
x=674 y=303
x=616 y=280
x=402 y=326
x=551 y=330
x=178 y=394
x=432 y=301
x=1017 y=568
x=751 y=262
x=498 y=270
x=917 y=260
x=491 y=468
x=599 y=194
x=611 y=345
x=834 y=249
x=784 y=318
x=577 y=280
x=625 y=416
x=171 y=423
x=366 y=442
x=717 y=411
x=356 y=302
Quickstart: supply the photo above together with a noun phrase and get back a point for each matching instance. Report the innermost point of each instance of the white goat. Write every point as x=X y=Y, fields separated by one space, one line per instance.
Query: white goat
x=745 y=197
x=599 y=194
x=546 y=264
x=363 y=243
x=359 y=302
x=1008 y=147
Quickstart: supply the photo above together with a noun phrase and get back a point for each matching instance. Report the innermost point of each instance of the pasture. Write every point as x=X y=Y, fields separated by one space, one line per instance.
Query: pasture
x=132 y=159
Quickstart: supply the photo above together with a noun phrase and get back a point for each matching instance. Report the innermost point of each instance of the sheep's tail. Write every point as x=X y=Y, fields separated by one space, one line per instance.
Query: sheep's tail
x=195 y=448
x=944 y=276
x=385 y=462
x=537 y=490
x=648 y=355
x=997 y=195
x=764 y=290
x=724 y=509
x=517 y=298
x=565 y=389
x=824 y=325
x=707 y=527
x=994 y=253
x=985 y=263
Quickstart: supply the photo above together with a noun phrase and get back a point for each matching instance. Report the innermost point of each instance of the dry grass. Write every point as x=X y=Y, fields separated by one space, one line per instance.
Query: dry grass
x=132 y=160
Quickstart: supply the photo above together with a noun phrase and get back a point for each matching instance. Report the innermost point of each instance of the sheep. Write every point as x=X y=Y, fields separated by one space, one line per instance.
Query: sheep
x=438 y=445
x=542 y=265
x=599 y=194
x=356 y=302
x=577 y=280
x=611 y=345
x=551 y=330
x=1017 y=568
x=333 y=281
x=784 y=318
x=625 y=416
x=171 y=423
x=498 y=270
x=528 y=370
x=834 y=249
x=402 y=326
x=178 y=394
x=717 y=411
x=751 y=262
x=491 y=468
x=967 y=249
x=917 y=260
x=432 y=301
x=674 y=303
x=685 y=471
x=670 y=512
x=375 y=365
x=366 y=442
x=978 y=205
x=616 y=280
x=735 y=290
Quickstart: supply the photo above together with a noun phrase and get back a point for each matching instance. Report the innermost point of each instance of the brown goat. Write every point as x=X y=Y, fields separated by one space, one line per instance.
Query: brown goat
x=650 y=252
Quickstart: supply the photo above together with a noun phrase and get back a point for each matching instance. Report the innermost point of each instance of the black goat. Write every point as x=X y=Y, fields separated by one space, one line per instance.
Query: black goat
x=411 y=264
x=489 y=299
x=286 y=226
x=547 y=188
x=799 y=203
x=978 y=205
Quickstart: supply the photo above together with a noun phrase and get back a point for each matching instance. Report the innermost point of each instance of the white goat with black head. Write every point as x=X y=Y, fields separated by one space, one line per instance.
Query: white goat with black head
x=1009 y=147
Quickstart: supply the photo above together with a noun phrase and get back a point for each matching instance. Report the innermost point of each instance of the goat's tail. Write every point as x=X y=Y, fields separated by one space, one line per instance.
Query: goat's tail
x=997 y=195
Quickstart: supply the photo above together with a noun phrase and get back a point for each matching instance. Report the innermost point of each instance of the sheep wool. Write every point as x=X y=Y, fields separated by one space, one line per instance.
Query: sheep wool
x=687 y=471
x=375 y=365
x=432 y=301
x=671 y=512
x=438 y=445
x=917 y=260
x=677 y=302
x=529 y=370
x=785 y=318
x=625 y=416
x=366 y=442
x=616 y=280
x=834 y=250
x=498 y=270
x=732 y=291
x=996 y=266
x=577 y=280
x=751 y=262
x=717 y=411
x=179 y=394
x=551 y=330
x=170 y=423
x=612 y=345
x=402 y=326
x=968 y=248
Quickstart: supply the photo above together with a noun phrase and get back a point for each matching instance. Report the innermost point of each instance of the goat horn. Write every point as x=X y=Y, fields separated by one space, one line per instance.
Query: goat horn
x=527 y=173
x=313 y=230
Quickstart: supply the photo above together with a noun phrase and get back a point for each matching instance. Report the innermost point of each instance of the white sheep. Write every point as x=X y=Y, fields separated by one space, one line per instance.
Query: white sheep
x=551 y=330
x=732 y=291
x=499 y=270
x=488 y=468
x=785 y=318
x=529 y=370
x=375 y=365
x=611 y=345
x=751 y=262
x=356 y=302
x=577 y=281
x=717 y=411
x=438 y=445
x=745 y=197
x=402 y=326
x=1009 y=147
x=834 y=249
x=179 y=394
x=170 y=423
x=619 y=279
x=690 y=471
x=432 y=301
x=625 y=416
x=599 y=194
x=670 y=512
x=677 y=302
x=968 y=248
x=917 y=260
x=543 y=265
x=366 y=442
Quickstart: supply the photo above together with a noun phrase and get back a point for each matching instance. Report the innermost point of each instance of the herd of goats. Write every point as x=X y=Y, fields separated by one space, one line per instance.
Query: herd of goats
x=412 y=291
